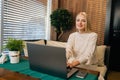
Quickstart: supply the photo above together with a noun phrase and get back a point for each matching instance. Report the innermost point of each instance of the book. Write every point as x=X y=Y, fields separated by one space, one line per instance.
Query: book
x=81 y=74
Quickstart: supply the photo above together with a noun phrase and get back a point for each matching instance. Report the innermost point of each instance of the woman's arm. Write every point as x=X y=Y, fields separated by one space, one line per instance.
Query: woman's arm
x=89 y=52
x=69 y=46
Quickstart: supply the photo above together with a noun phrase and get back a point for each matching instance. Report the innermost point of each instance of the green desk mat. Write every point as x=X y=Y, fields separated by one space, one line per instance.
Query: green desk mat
x=23 y=67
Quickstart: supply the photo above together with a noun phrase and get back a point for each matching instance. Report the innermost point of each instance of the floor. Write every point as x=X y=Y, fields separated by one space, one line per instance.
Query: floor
x=114 y=75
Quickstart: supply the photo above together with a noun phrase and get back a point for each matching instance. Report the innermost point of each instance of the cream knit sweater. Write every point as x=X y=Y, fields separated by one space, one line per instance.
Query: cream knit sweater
x=81 y=46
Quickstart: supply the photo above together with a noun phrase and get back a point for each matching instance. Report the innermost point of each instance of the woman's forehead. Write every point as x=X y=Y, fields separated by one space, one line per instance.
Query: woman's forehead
x=81 y=16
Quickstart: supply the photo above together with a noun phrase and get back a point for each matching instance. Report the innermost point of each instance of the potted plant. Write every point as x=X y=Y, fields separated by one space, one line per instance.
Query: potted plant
x=61 y=20
x=15 y=47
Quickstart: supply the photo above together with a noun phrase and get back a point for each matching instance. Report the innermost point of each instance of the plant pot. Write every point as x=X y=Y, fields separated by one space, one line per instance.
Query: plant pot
x=14 y=56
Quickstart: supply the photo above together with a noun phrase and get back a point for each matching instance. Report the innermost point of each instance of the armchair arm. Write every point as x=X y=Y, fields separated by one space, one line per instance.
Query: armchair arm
x=106 y=60
x=106 y=56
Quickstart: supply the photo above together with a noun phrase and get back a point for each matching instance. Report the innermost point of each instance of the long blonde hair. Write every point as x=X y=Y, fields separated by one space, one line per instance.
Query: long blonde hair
x=87 y=27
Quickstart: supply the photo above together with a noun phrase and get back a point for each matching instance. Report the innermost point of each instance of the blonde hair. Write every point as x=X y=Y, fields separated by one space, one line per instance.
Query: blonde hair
x=87 y=27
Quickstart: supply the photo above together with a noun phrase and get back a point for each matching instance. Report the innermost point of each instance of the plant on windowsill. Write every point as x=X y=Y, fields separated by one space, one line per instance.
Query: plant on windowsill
x=61 y=20
x=15 y=47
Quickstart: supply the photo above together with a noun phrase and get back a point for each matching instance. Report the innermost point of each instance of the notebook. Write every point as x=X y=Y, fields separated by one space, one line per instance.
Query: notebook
x=49 y=59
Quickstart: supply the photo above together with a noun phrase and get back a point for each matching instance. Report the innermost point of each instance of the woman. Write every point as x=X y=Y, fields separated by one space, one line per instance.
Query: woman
x=81 y=44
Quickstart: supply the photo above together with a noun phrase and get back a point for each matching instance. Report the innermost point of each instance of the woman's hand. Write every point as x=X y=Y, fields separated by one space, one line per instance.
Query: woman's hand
x=73 y=64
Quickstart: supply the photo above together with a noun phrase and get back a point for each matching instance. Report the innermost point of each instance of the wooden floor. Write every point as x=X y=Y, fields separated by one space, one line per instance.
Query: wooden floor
x=114 y=75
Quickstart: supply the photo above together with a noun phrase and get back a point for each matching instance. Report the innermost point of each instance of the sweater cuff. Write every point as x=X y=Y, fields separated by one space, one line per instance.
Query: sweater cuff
x=82 y=60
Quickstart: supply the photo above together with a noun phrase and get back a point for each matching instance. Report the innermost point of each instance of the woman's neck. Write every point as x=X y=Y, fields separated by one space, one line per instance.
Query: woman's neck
x=81 y=31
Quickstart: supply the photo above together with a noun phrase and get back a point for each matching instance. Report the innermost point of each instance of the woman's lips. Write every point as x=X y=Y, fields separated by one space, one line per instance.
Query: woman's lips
x=80 y=26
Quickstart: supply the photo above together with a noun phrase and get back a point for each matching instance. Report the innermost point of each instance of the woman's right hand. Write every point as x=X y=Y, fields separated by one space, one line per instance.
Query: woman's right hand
x=73 y=64
x=68 y=64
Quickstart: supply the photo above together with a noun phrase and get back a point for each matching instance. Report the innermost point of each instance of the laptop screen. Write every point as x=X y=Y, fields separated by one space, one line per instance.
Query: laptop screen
x=47 y=59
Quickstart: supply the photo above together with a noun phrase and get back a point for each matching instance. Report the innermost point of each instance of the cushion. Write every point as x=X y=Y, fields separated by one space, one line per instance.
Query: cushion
x=35 y=42
x=56 y=43
x=99 y=54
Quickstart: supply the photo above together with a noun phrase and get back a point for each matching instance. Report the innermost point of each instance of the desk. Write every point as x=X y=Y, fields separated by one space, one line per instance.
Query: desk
x=23 y=67
x=11 y=75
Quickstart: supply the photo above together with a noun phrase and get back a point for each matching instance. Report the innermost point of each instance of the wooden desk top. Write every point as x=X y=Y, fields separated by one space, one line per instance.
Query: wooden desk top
x=89 y=71
x=10 y=75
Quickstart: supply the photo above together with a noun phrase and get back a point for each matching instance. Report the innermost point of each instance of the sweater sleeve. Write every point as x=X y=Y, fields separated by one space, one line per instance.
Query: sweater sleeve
x=89 y=51
x=69 y=45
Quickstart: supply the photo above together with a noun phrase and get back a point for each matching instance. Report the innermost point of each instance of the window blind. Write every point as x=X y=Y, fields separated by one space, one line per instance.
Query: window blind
x=0 y=28
x=24 y=19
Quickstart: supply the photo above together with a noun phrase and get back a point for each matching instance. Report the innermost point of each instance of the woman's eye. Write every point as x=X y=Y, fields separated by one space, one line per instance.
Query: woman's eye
x=77 y=20
x=80 y=20
x=83 y=20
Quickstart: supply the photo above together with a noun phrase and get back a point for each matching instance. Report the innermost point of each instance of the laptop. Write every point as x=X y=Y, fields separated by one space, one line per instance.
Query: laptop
x=49 y=59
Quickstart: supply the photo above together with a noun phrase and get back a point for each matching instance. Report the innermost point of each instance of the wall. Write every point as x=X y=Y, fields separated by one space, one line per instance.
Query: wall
x=96 y=10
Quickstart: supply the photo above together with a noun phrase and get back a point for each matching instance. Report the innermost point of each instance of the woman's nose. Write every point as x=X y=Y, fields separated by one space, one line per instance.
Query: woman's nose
x=80 y=22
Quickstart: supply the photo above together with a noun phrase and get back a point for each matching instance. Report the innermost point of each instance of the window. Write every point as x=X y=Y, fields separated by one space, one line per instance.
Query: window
x=25 y=19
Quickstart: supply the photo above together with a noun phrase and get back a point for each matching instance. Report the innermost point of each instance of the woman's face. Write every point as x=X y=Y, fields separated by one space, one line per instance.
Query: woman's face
x=81 y=22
